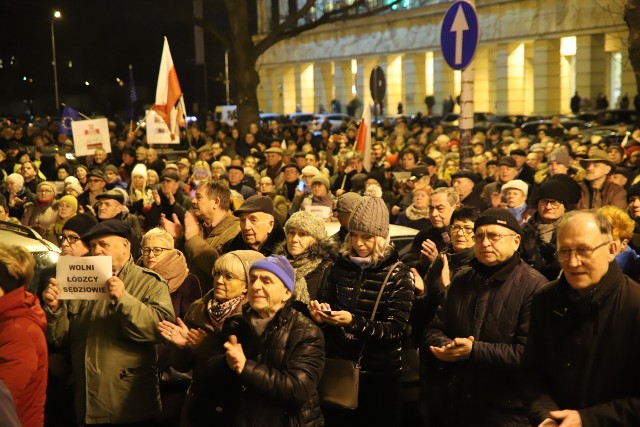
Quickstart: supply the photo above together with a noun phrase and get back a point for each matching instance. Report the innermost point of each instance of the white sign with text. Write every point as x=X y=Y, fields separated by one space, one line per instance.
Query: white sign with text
x=83 y=278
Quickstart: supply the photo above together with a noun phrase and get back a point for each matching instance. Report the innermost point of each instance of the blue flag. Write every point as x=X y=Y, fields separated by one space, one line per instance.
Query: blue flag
x=133 y=96
x=68 y=115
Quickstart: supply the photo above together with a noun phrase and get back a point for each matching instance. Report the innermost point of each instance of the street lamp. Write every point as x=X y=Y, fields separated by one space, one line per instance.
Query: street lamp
x=56 y=15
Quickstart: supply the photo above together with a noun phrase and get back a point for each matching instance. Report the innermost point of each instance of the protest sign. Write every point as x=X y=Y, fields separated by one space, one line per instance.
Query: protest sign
x=83 y=278
x=88 y=135
x=158 y=131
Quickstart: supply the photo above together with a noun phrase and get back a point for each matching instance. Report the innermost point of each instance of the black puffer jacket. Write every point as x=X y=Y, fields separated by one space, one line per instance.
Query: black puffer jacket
x=272 y=245
x=355 y=289
x=278 y=385
x=494 y=309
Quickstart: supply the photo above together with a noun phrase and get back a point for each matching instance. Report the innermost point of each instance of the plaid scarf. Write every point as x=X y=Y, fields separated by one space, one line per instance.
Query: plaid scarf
x=218 y=311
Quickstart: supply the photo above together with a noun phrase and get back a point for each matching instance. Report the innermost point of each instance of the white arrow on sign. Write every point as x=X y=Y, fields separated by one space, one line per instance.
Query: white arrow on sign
x=459 y=26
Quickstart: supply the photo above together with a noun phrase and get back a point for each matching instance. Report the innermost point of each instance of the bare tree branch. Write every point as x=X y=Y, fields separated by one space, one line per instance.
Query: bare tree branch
x=283 y=32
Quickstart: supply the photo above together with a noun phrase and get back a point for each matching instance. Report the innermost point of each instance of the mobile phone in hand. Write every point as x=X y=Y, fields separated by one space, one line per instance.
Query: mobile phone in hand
x=327 y=312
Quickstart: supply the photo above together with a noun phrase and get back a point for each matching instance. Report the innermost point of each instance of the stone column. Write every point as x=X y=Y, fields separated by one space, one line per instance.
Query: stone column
x=591 y=66
x=395 y=83
x=443 y=81
x=306 y=89
x=546 y=69
x=415 y=83
x=323 y=85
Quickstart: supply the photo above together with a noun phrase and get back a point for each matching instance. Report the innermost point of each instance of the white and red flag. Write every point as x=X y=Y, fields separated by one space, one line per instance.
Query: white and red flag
x=363 y=138
x=169 y=97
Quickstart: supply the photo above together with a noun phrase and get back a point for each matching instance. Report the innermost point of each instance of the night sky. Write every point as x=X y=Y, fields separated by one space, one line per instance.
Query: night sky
x=101 y=39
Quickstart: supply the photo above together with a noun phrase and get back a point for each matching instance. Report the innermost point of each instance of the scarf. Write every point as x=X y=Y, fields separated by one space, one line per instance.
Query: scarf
x=518 y=212
x=303 y=265
x=415 y=214
x=546 y=231
x=173 y=269
x=219 y=311
x=272 y=172
x=362 y=262
x=322 y=201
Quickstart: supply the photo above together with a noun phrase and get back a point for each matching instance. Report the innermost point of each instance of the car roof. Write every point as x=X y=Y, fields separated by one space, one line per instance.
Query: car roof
x=15 y=234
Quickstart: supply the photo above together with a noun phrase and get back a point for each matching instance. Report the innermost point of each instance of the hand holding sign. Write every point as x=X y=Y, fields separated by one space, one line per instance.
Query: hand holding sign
x=50 y=295
x=115 y=287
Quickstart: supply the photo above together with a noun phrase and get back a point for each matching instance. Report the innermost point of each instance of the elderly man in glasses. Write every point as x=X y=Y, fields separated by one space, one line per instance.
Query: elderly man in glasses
x=478 y=336
x=581 y=362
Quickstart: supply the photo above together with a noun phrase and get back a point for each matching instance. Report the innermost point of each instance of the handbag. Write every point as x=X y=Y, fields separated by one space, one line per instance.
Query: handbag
x=340 y=382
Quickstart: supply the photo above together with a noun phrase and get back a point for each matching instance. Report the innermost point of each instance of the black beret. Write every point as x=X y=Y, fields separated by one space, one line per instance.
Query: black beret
x=466 y=174
x=498 y=216
x=291 y=165
x=256 y=203
x=634 y=190
x=112 y=194
x=554 y=189
x=507 y=161
x=518 y=152
x=169 y=174
x=428 y=161
x=240 y=168
x=111 y=227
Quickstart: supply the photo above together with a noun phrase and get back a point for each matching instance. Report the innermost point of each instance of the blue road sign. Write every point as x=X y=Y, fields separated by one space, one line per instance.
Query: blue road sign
x=459 y=35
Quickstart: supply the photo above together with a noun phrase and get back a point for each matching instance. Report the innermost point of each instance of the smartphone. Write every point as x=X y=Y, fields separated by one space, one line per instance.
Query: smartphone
x=327 y=312
x=301 y=186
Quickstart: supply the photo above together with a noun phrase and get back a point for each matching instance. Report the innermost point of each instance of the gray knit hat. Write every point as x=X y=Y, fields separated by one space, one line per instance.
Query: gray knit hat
x=370 y=216
x=307 y=222
x=348 y=201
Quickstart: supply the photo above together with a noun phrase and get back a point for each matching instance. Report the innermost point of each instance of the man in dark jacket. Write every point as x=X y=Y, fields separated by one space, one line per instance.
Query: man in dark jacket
x=581 y=363
x=480 y=330
x=258 y=229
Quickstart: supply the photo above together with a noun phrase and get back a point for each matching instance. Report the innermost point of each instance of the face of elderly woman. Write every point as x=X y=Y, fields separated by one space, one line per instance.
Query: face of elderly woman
x=65 y=210
x=363 y=243
x=154 y=251
x=227 y=285
x=298 y=241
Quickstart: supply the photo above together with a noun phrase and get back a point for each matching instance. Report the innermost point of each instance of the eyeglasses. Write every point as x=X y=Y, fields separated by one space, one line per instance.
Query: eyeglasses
x=93 y=181
x=553 y=203
x=583 y=252
x=226 y=276
x=156 y=251
x=493 y=237
x=71 y=239
x=456 y=228
x=44 y=191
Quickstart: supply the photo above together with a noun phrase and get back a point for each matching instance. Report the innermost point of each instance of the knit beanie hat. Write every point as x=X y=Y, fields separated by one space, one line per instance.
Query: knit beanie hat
x=307 y=222
x=279 y=266
x=370 y=216
x=139 y=170
x=348 y=201
x=310 y=170
x=47 y=184
x=71 y=180
x=71 y=200
x=80 y=223
x=16 y=178
x=322 y=179
x=75 y=187
x=498 y=216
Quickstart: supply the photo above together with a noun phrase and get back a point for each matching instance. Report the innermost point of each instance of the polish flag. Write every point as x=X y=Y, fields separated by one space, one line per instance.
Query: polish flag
x=169 y=97
x=363 y=138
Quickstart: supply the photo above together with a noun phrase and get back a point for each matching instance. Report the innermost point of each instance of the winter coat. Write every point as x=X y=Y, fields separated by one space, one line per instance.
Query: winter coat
x=612 y=194
x=39 y=217
x=492 y=305
x=202 y=252
x=355 y=289
x=113 y=348
x=583 y=353
x=23 y=354
x=538 y=254
x=278 y=385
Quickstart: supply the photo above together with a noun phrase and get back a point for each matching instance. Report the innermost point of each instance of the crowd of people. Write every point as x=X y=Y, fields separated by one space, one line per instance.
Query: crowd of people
x=518 y=295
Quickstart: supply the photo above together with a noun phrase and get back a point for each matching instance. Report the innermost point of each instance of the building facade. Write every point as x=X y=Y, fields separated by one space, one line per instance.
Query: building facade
x=532 y=56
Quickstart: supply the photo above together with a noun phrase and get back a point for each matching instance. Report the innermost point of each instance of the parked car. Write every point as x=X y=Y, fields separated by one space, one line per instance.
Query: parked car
x=400 y=235
x=44 y=252
x=301 y=118
x=335 y=119
x=269 y=117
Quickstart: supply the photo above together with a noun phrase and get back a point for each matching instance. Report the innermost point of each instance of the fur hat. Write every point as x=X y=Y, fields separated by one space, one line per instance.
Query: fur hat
x=139 y=170
x=370 y=216
x=307 y=222
x=554 y=189
x=279 y=266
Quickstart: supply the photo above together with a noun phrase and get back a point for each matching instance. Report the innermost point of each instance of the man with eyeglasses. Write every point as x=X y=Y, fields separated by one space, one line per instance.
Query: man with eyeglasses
x=97 y=182
x=581 y=362
x=113 y=341
x=478 y=336
x=280 y=205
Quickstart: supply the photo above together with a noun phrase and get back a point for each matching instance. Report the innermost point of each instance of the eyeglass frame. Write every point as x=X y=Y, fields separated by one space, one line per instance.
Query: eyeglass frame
x=495 y=239
x=564 y=258
x=71 y=239
x=154 y=250
x=456 y=229
x=554 y=203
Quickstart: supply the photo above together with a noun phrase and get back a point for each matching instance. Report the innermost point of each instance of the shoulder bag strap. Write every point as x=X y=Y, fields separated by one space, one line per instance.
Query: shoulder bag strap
x=375 y=307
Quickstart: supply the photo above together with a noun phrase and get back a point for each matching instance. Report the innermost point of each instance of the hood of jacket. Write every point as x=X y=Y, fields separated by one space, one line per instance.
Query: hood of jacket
x=23 y=304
